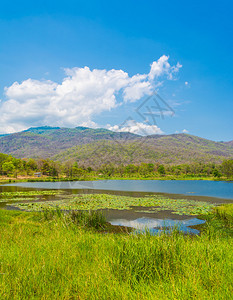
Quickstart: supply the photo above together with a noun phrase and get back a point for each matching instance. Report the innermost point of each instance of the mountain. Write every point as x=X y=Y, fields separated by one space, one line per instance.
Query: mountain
x=230 y=143
x=170 y=149
x=98 y=146
x=47 y=141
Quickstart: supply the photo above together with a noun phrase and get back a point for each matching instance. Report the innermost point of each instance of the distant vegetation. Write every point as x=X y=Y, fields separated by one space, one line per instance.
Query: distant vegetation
x=169 y=150
x=44 y=142
x=86 y=153
x=11 y=167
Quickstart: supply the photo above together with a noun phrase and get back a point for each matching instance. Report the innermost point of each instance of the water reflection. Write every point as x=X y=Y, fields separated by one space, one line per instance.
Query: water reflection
x=159 y=225
x=136 y=217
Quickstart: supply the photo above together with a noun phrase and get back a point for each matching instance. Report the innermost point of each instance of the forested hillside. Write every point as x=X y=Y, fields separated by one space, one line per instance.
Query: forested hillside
x=95 y=147
x=171 y=149
x=47 y=141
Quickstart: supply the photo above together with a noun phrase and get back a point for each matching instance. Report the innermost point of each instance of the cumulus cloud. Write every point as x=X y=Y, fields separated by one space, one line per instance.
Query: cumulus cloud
x=161 y=67
x=185 y=131
x=136 y=128
x=82 y=94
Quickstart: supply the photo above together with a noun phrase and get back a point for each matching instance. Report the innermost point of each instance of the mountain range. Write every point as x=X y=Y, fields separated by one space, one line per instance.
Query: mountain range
x=97 y=146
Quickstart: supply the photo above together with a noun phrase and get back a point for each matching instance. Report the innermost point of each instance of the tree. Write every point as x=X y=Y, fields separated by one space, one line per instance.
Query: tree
x=129 y=169
x=150 y=168
x=76 y=171
x=227 y=167
x=89 y=169
x=31 y=164
x=45 y=169
x=8 y=167
x=216 y=173
x=161 y=170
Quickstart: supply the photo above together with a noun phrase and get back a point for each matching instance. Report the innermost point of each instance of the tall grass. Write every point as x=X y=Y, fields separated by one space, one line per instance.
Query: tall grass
x=89 y=219
x=225 y=213
x=83 y=219
x=56 y=257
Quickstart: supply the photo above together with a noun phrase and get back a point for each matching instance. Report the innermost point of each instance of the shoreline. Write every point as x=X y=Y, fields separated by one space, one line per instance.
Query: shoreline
x=6 y=180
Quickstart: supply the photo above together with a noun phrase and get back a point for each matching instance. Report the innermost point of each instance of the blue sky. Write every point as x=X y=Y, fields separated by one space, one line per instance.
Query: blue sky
x=49 y=49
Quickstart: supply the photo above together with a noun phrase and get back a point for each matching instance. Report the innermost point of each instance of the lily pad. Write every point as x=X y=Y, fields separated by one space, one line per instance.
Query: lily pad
x=103 y=201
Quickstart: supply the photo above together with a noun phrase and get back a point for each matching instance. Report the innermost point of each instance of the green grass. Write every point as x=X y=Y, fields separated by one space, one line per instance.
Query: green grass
x=224 y=215
x=93 y=177
x=85 y=219
x=225 y=212
x=56 y=256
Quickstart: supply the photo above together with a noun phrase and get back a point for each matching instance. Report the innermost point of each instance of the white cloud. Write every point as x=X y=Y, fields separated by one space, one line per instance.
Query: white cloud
x=186 y=83
x=136 y=128
x=161 y=67
x=137 y=89
x=81 y=95
x=185 y=131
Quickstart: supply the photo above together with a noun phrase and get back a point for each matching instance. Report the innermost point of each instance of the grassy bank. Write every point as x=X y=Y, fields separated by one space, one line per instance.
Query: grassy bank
x=57 y=256
x=4 y=180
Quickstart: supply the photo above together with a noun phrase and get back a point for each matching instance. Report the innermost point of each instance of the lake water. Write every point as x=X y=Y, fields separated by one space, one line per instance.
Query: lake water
x=211 y=191
x=218 y=189
x=155 y=225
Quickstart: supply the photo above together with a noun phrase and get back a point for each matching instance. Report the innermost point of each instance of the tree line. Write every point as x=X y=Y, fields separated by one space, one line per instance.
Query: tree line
x=11 y=166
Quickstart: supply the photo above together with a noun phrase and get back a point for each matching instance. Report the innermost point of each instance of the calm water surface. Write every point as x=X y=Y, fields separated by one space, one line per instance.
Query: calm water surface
x=219 y=189
x=155 y=225
x=210 y=191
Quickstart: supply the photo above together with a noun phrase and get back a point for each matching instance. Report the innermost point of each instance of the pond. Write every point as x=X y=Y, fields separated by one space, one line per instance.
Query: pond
x=160 y=217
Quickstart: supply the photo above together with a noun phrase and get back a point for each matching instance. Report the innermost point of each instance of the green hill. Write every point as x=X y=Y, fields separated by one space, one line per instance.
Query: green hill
x=48 y=141
x=230 y=143
x=93 y=147
x=171 y=149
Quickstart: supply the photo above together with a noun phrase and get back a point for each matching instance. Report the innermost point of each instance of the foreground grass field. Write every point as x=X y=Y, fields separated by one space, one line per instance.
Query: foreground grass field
x=66 y=256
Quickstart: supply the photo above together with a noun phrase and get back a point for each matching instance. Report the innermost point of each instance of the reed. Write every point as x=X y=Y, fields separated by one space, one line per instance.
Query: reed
x=60 y=255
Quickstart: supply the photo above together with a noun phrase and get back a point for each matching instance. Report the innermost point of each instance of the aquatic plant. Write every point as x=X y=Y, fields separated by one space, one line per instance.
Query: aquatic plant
x=29 y=193
x=22 y=195
x=103 y=201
